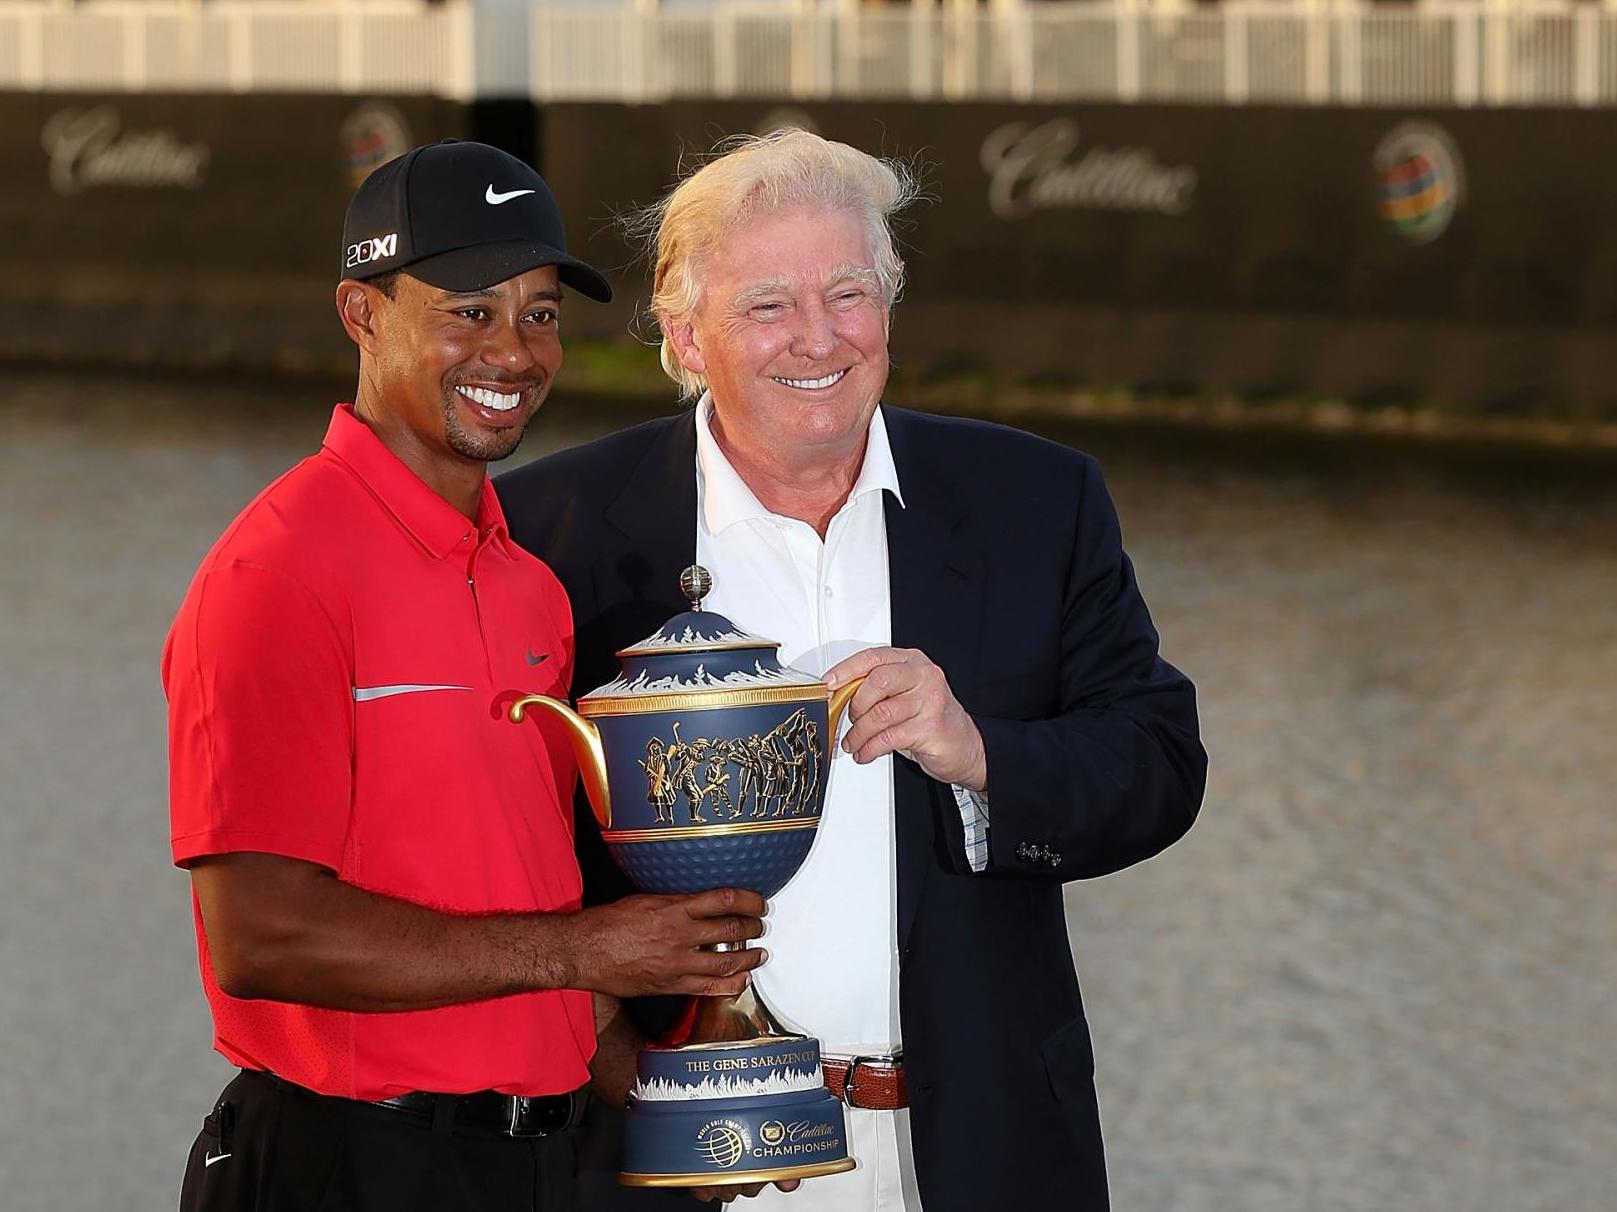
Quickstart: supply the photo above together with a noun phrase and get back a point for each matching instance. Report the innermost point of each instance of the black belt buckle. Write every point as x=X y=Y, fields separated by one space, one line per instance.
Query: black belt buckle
x=536 y=1117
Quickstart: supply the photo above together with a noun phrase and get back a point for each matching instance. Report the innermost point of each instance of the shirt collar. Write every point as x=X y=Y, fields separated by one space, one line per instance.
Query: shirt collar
x=432 y=521
x=726 y=499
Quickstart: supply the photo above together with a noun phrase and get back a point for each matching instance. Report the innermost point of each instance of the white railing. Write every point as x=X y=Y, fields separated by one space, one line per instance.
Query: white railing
x=1481 y=52
x=398 y=46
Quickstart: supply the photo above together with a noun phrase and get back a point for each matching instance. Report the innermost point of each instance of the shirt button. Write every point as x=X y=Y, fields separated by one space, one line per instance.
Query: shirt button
x=828 y=592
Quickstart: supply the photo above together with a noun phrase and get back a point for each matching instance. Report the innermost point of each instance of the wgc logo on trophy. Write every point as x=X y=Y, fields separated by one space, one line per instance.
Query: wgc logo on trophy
x=705 y=761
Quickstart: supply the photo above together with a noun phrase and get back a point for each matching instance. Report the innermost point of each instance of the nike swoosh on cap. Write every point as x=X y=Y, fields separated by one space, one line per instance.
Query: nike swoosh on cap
x=494 y=199
x=364 y=694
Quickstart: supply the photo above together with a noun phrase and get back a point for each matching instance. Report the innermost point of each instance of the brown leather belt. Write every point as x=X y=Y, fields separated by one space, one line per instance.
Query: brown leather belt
x=875 y=1083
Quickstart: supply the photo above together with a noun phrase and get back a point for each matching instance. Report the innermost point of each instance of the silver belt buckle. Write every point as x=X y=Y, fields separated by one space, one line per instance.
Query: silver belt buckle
x=889 y=1063
x=519 y=1111
x=526 y=1121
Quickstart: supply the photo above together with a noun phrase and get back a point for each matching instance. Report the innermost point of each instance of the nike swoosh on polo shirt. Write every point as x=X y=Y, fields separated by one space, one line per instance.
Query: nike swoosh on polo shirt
x=364 y=694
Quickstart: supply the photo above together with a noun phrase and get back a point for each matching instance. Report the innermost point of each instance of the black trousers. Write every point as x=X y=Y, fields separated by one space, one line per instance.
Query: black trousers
x=269 y=1146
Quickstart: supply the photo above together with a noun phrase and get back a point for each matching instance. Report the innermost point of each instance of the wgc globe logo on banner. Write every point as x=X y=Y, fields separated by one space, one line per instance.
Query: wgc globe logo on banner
x=374 y=133
x=1419 y=180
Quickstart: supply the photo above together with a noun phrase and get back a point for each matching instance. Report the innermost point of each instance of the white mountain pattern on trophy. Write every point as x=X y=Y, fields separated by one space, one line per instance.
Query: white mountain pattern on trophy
x=784 y=1081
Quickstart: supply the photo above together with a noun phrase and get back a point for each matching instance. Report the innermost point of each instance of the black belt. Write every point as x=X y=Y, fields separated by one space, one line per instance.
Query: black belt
x=485 y=1111
x=511 y=1114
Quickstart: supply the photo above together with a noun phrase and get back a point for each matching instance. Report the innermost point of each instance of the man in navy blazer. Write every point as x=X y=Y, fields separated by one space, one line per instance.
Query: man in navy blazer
x=1023 y=674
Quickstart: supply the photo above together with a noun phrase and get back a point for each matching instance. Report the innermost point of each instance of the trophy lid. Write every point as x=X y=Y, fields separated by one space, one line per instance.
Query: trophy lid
x=699 y=650
x=696 y=631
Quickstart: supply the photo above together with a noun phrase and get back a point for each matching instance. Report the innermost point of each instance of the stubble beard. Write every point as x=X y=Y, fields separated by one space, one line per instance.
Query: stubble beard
x=482 y=446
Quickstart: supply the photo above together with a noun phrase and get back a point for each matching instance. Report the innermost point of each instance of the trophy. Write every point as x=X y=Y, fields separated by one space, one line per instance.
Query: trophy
x=705 y=761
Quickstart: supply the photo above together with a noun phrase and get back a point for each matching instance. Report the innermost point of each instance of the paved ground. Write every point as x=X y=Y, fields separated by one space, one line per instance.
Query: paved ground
x=1377 y=975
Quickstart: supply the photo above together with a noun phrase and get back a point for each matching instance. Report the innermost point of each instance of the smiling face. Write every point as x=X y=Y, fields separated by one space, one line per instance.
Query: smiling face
x=791 y=334
x=458 y=376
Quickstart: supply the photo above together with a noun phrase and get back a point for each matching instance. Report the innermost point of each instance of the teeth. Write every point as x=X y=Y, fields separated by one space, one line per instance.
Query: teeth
x=813 y=384
x=498 y=400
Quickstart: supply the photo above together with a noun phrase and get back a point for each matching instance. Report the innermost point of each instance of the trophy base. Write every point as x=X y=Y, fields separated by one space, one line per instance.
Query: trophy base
x=720 y=1114
x=785 y=1173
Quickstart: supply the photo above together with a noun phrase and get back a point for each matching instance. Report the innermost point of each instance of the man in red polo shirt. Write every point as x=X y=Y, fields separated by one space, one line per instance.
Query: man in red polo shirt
x=386 y=900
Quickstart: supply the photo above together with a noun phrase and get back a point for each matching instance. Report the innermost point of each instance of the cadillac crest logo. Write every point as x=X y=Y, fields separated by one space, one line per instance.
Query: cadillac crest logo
x=1419 y=180
x=723 y=1142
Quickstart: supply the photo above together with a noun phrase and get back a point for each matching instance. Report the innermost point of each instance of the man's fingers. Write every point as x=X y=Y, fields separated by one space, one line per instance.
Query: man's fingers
x=726 y=930
x=892 y=740
x=728 y=963
x=890 y=677
x=716 y=973
x=882 y=682
x=710 y=986
x=883 y=717
x=858 y=665
x=722 y=902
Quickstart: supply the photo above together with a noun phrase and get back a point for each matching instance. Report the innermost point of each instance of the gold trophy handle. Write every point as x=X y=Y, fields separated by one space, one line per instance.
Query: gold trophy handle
x=586 y=738
x=839 y=703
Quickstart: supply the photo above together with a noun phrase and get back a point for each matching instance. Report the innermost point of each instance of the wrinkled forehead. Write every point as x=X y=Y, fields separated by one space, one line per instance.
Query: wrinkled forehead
x=824 y=279
x=802 y=246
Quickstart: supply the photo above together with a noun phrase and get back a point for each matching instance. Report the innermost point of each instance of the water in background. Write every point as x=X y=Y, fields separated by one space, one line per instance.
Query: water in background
x=1379 y=973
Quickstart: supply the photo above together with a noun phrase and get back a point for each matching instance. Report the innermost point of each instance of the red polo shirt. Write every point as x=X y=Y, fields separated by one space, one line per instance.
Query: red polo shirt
x=336 y=680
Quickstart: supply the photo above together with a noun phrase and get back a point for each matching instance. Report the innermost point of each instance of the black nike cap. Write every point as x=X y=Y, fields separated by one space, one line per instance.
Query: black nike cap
x=459 y=216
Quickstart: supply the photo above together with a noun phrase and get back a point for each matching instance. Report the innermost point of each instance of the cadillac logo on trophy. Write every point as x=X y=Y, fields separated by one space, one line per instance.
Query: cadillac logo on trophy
x=705 y=761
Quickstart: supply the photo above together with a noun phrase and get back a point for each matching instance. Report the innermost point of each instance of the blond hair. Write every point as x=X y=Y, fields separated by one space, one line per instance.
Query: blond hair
x=754 y=175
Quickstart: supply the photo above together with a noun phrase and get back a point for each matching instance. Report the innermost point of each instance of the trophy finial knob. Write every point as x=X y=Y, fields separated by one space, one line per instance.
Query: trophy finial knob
x=696 y=583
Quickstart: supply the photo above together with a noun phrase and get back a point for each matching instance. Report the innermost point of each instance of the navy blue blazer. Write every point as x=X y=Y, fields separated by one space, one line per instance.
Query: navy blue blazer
x=1007 y=569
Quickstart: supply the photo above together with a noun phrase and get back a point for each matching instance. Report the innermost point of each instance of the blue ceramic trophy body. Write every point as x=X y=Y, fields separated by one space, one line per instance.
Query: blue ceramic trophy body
x=706 y=761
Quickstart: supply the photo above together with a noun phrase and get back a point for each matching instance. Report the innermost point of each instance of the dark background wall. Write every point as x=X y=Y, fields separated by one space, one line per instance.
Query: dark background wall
x=187 y=230
x=1187 y=247
x=1261 y=250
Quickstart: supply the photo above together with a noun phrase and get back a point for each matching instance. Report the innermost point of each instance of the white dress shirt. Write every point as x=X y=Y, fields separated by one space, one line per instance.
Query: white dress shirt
x=831 y=932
